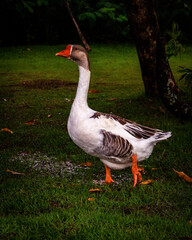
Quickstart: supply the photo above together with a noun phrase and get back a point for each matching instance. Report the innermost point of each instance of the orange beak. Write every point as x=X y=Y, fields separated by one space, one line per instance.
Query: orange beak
x=65 y=53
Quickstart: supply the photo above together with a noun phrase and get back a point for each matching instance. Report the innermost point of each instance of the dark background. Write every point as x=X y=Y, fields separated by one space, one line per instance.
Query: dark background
x=48 y=21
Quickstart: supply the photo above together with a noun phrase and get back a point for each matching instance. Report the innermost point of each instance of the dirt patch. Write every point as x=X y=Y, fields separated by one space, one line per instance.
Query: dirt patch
x=46 y=164
x=47 y=84
x=49 y=165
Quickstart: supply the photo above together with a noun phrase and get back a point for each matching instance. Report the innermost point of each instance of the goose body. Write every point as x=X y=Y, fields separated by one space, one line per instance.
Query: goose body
x=116 y=141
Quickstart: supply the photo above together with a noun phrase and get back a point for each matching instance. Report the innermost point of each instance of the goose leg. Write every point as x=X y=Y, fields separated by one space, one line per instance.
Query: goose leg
x=108 y=178
x=136 y=171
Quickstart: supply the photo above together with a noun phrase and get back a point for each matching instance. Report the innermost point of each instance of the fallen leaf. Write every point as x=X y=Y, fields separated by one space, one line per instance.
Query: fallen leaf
x=91 y=199
x=6 y=130
x=15 y=173
x=183 y=175
x=30 y=122
x=50 y=115
x=54 y=204
x=93 y=91
x=56 y=186
x=88 y=164
x=161 y=110
x=147 y=182
x=67 y=99
x=95 y=190
x=112 y=99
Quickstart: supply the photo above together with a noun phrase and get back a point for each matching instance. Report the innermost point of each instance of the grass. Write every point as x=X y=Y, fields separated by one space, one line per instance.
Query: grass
x=51 y=200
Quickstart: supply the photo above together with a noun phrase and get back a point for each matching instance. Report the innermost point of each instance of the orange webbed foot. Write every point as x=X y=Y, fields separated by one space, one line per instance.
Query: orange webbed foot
x=108 y=178
x=136 y=171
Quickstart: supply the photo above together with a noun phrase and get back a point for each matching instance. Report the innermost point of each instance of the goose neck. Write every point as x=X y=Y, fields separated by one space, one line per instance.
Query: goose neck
x=83 y=86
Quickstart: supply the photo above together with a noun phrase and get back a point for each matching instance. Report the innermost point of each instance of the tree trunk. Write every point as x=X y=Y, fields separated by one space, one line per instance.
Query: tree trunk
x=156 y=72
x=145 y=29
x=77 y=27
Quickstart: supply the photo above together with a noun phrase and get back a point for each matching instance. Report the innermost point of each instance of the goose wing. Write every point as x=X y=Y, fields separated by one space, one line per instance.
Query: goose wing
x=136 y=130
x=114 y=146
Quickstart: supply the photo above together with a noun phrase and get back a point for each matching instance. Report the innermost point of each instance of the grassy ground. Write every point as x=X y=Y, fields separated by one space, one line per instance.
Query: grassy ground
x=52 y=200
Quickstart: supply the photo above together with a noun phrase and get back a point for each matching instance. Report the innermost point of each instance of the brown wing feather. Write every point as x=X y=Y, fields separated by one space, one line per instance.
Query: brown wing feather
x=114 y=146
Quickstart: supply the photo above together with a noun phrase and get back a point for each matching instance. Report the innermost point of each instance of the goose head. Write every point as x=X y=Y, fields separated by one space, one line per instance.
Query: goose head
x=76 y=53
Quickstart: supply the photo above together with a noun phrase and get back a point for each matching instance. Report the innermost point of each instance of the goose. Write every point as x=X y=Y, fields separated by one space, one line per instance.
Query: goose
x=116 y=141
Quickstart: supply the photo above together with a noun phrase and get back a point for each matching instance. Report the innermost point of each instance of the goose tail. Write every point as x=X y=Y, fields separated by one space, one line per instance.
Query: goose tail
x=159 y=136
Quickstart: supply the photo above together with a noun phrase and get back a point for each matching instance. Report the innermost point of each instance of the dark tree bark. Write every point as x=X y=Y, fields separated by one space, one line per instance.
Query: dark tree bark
x=145 y=29
x=167 y=88
x=77 y=27
x=156 y=72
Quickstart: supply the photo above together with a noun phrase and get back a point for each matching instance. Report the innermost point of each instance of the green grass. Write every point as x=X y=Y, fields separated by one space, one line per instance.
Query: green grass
x=51 y=200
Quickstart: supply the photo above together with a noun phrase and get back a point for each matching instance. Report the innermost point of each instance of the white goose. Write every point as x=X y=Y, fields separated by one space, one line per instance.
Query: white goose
x=118 y=142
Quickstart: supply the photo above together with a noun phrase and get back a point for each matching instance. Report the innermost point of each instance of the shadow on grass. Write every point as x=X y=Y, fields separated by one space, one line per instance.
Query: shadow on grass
x=47 y=84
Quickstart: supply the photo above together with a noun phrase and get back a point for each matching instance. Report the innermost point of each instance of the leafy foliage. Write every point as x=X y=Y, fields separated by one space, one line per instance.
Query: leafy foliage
x=30 y=5
x=175 y=11
x=174 y=47
x=113 y=15
x=187 y=75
